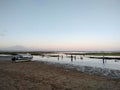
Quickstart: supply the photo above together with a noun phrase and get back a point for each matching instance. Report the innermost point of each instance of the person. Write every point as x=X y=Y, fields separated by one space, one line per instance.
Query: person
x=13 y=59
x=71 y=58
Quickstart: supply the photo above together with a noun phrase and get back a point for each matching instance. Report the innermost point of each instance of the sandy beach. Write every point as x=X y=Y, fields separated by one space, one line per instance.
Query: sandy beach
x=42 y=76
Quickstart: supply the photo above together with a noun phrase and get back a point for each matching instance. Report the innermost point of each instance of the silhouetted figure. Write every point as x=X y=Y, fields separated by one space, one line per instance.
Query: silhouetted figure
x=116 y=60
x=58 y=57
x=62 y=56
x=13 y=59
x=71 y=58
x=75 y=57
x=103 y=61
x=43 y=56
x=81 y=58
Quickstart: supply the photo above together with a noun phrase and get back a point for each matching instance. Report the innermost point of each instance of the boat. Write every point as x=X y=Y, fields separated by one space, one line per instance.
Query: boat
x=22 y=57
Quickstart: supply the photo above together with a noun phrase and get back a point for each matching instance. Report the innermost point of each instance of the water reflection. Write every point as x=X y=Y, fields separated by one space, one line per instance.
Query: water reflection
x=80 y=60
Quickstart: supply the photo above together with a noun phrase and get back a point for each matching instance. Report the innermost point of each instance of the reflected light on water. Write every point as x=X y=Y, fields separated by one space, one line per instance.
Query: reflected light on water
x=80 y=60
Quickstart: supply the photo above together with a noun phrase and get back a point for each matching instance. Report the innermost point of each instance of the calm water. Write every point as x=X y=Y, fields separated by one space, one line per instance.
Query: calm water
x=80 y=60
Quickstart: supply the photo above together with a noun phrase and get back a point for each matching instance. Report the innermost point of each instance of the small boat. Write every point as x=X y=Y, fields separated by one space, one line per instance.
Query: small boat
x=22 y=57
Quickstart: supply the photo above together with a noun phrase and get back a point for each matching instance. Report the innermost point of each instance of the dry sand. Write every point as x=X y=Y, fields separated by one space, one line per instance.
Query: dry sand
x=41 y=76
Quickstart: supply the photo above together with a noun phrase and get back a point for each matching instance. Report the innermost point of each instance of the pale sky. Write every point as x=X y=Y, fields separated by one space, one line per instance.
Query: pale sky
x=60 y=24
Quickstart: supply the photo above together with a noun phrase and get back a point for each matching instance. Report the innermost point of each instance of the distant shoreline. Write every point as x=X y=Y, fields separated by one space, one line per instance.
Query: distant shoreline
x=65 y=52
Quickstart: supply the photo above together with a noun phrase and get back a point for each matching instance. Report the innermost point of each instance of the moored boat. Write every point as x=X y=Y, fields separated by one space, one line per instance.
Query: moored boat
x=22 y=57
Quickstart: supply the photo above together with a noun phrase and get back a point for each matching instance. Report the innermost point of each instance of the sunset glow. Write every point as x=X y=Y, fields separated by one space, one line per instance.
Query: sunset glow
x=60 y=24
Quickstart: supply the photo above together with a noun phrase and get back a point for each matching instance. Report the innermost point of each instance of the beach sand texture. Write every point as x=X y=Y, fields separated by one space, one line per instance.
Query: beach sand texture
x=42 y=76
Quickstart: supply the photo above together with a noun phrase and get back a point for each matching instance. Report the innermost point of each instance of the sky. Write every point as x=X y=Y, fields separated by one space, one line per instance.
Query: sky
x=60 y=24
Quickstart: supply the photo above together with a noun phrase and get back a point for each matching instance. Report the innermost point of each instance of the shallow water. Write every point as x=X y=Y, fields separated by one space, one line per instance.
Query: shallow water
x=80 y=60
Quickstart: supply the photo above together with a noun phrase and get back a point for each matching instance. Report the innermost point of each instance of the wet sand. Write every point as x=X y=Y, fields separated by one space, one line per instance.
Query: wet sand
x=42 y=76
